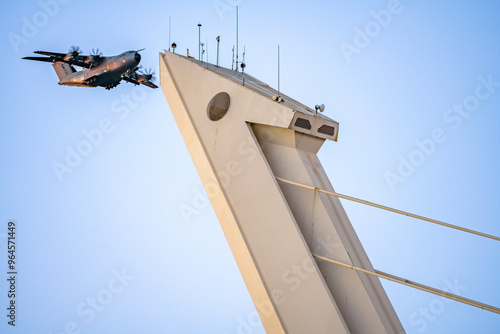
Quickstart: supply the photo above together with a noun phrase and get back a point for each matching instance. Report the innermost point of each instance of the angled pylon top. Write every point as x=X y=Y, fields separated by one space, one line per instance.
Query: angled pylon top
x=242 y=135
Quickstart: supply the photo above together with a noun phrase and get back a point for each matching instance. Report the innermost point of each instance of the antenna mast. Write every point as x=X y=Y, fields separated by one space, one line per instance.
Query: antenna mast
x=232 y=63
x=236 y=38
x=218 y=41
x=169 y=31
x=278 y=70
x=243 y=65
x=199 y=41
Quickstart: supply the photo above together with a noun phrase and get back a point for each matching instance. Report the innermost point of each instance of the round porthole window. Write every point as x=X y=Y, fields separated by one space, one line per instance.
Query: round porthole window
x=218 y=106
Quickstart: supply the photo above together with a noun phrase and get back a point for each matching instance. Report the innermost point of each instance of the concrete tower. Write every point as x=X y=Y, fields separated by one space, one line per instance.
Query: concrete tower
x=242 y=135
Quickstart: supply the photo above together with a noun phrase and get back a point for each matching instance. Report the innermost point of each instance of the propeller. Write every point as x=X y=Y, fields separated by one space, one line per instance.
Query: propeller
x=75 y=50
x=94 y=57
x=149 y=73
x=96 y=53
x=73 y=53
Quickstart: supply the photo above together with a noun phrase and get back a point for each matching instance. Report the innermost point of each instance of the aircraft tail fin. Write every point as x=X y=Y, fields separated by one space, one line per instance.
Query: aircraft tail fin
x=62 y=69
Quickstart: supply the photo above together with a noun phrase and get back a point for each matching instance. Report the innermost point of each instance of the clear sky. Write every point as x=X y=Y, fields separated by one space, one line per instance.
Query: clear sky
x=104 y=248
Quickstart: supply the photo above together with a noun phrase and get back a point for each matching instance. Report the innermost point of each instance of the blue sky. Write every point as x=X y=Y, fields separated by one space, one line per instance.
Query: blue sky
x=104 y=248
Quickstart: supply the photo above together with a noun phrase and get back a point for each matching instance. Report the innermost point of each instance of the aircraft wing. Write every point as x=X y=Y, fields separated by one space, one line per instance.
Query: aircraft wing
x=142 y=82
x=79 y=60
x=129 y=79
x=149 y=84
x=49 y=60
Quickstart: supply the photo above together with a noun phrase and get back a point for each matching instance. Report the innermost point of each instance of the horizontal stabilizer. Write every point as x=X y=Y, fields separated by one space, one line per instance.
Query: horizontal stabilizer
x=48 y=60
x=55 y=54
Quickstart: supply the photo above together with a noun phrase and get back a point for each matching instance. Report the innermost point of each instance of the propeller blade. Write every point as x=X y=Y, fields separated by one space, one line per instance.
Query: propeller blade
x=148 y=72
x=75 y=49
x=96 y=53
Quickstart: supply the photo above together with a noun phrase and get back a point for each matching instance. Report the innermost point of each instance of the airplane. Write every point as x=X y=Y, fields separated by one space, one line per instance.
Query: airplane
x=97 y=70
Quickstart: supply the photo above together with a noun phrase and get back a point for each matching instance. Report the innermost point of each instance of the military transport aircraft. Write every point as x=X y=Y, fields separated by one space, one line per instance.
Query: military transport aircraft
x=97 y=70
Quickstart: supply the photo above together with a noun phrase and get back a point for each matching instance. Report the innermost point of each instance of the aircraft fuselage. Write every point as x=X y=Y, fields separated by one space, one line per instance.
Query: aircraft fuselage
x=107 y=73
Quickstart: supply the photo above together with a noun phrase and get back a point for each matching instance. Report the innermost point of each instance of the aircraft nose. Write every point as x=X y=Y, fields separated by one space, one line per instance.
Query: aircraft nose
x=137 y=57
